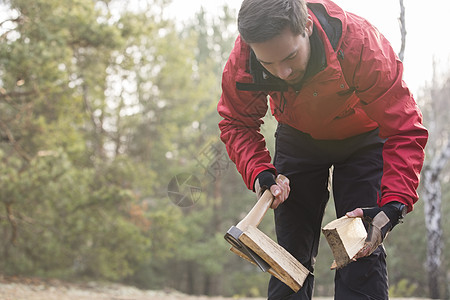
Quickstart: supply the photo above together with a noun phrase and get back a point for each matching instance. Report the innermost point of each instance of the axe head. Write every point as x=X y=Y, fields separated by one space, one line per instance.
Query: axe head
x=232 y=236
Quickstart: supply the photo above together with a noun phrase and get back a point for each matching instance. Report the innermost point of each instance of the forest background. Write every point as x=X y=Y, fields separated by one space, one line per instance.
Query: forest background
x=111 y=166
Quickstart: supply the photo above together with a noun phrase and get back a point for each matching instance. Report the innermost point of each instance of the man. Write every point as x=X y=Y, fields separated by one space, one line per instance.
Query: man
x=335 y=87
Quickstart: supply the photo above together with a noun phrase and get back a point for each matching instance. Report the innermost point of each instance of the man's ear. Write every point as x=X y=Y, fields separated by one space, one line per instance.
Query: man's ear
x=309 y=25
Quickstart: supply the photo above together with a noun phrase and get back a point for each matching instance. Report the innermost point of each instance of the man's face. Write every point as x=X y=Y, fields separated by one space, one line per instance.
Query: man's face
x=286 y=56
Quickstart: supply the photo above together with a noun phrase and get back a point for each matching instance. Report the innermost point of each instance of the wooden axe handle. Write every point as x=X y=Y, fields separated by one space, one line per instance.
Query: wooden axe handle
x=258 y=211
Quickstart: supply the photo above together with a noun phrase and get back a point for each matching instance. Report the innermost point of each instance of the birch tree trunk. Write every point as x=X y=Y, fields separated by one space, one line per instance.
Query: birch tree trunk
x=432 y=198
x=438 y=155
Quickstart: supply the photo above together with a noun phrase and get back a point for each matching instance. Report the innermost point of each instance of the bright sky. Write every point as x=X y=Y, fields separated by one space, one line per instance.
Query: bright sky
x=425 y=24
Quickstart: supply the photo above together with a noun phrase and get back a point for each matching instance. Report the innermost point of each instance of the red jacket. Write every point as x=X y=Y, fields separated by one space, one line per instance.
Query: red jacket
x=360 y=89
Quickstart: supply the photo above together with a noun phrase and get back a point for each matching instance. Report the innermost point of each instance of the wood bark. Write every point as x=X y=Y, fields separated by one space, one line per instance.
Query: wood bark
x=432 y=198
x=438 y=156
x=346 y=238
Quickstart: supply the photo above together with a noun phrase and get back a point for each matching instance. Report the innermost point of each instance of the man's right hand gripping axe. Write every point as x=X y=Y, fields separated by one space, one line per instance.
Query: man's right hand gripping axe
x=279 y=187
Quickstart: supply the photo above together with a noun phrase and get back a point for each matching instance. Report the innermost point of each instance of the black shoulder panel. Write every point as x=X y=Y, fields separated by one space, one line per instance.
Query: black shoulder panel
x=331 y=26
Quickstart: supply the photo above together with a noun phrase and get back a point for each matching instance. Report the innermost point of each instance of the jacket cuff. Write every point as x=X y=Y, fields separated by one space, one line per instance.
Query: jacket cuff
x=385 y=200
x=251 y=184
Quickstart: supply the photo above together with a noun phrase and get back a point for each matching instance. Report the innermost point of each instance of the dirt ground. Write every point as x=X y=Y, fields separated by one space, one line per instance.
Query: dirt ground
x=15 y=288
x=36 y=289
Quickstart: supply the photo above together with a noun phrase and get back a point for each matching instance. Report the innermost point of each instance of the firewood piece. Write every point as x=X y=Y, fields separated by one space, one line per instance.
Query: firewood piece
x=289 y=270
x=345 y=237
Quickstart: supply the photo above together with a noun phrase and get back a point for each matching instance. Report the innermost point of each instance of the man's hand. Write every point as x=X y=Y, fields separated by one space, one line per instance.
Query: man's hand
x=381 y=221
x=279 y=187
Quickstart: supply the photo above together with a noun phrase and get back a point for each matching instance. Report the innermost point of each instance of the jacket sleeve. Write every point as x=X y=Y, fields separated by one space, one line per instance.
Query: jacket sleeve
x=242 y=113
x=387 y=100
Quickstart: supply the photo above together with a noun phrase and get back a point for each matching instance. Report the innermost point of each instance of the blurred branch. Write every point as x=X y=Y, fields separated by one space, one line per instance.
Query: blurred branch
x=12 y=222
x=13 y=141
x=401 y=20
x=8 y=96
x=18 y=20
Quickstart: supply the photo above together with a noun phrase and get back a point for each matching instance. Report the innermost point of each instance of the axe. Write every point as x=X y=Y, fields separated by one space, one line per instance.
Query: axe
x=250 y=243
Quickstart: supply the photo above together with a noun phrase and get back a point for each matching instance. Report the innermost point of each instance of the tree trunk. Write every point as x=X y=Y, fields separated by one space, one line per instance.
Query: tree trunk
x=432 y=200
x=433 y=211
x=190 y=278
x=207 y=285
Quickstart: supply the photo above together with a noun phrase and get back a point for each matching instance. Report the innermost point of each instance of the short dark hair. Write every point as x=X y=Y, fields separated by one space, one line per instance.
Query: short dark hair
x=262 y=20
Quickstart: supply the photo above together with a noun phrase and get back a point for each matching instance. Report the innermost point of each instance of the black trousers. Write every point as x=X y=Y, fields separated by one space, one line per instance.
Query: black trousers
x=357 y=169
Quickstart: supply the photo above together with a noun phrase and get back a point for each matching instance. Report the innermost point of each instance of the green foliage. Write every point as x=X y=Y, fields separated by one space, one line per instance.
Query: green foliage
x=403 y=289
x=247 y=284
x=67 y=224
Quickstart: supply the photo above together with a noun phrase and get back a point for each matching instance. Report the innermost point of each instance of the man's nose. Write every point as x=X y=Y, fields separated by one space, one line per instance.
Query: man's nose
x=284 y=71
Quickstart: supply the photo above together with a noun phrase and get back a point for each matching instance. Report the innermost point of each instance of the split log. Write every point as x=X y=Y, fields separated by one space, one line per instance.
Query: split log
x=287 y=268
x=345 y=237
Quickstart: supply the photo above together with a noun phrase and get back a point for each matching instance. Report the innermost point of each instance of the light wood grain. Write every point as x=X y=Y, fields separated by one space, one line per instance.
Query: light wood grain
x=290 y=270
x=346 y=237
x=257 y=213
